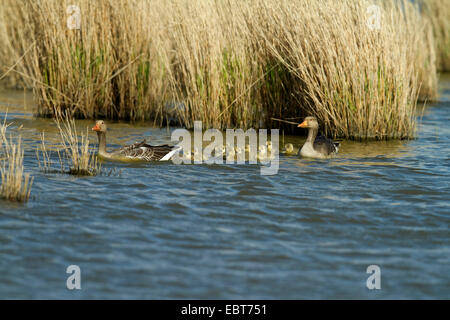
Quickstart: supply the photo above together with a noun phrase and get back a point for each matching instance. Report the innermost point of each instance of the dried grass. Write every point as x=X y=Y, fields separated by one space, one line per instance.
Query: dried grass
x=228 y=63
x=438 y=12
x=15 y=183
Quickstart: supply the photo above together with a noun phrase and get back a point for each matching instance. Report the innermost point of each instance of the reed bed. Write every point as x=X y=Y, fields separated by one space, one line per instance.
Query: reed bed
x=228 y=63
x=362 y=83
x=82 y=161
x=10 y=47
x=74 y=154
x=438 y=12
x=15 y=183
x=86 y=163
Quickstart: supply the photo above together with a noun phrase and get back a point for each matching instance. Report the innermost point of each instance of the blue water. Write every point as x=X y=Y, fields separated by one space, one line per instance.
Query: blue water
x=162 y=231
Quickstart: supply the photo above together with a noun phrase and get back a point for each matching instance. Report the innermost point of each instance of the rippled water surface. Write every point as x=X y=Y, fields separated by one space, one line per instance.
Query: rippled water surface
x=224 y=231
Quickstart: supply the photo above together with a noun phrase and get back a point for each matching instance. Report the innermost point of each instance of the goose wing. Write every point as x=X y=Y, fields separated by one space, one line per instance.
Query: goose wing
x=144 y=151
x=126 y=149
x=326 y=146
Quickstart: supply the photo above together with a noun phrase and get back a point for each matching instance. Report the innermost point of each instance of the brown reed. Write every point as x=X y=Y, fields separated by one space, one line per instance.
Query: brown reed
x=228 y=63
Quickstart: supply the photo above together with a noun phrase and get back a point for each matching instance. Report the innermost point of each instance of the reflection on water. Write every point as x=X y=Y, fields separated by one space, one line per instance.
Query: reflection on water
x=224 y=231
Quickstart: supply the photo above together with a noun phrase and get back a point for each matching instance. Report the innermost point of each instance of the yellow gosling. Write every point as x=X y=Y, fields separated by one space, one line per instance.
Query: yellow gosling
x=288 y=149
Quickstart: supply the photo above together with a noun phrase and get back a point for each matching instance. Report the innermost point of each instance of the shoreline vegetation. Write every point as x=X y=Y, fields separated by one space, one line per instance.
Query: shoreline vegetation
x=230 y=63
x=74 y=155
x=438 y=13
x=15 y=184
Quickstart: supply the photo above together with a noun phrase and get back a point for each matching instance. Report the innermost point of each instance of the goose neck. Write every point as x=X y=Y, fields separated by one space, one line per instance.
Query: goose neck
x=101 y=142
x=312 y=134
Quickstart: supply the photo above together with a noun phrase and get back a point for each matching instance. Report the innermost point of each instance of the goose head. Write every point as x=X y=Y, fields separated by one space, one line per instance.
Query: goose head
x=100 y=126
x=309 y=122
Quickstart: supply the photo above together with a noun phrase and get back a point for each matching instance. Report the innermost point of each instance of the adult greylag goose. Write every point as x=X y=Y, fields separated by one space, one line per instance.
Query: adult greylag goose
x=317 y=146
x=136 y=151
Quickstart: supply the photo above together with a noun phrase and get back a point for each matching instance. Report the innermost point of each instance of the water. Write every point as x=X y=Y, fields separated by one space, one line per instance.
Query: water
x=159 y=231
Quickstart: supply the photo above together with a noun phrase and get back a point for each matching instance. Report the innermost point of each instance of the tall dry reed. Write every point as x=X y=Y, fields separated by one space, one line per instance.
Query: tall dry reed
x=361 y=82
x=75 y=149
x=228 y=63
x=15 y=183
x=438 y=12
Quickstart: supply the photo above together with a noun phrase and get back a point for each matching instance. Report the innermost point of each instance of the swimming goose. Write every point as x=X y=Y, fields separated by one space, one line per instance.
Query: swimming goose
x=219 y=151
x=288 y=149
x=136 y=151
x=269 y=146
x=230 y=153
x=262 y=153
x=317 y=146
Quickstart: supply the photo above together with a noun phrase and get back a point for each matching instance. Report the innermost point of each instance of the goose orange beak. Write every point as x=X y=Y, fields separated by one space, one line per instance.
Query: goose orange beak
x=96 y=128
x=304 y=124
